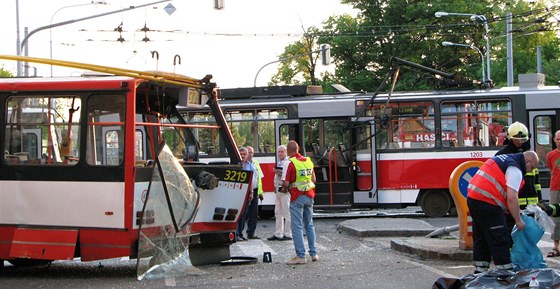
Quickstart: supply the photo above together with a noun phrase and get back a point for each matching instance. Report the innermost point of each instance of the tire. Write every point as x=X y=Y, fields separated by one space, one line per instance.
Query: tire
x=28 y=262
x=209 y=255
x=435 y=203
x=266 y=212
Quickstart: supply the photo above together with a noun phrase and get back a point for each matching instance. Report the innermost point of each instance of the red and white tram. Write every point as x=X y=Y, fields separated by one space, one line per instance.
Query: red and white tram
x=381 y=150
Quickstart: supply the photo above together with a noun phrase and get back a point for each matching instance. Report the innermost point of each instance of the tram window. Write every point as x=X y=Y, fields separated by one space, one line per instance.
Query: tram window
x=255 y=127
x=208 y=139
x=311 y=132
x=363 y=136
x=105 y=136
x=410 y=125
x=42 y=130
x=337 y=132
x=474 y=123
x=544 y=136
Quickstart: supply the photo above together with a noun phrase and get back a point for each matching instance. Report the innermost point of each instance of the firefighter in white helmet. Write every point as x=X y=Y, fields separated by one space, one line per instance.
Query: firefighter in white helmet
x=518 y=141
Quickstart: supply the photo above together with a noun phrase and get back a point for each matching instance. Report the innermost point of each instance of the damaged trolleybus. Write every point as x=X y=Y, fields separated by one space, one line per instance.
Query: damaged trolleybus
x=91 y=168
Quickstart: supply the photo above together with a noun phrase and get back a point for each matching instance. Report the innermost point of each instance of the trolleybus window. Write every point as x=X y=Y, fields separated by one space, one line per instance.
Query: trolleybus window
x=175 y=138
x=105 y=136
x=474 y=123
x=42 y=130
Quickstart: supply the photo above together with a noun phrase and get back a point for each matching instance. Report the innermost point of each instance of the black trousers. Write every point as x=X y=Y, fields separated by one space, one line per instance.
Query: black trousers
x=253 y=214
x=491 y=237
x=250 y=216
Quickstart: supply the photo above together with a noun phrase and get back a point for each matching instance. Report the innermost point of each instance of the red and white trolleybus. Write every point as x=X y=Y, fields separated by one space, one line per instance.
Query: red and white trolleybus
x=384 y=150
x=91 y=169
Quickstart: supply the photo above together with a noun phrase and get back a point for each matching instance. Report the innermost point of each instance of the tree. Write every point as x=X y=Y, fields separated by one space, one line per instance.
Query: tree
x=5 y=73
x=363 y=46
x=530 y=30
x=300 y=63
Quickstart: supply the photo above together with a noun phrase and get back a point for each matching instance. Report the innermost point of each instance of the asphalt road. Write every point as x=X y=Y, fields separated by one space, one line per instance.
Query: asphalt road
x=345 y=262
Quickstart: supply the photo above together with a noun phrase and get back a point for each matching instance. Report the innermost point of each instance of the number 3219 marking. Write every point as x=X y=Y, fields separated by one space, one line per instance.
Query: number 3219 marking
x=235 y=176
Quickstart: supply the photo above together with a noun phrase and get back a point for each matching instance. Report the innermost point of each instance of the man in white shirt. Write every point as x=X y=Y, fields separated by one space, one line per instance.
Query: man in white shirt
x=283 y=230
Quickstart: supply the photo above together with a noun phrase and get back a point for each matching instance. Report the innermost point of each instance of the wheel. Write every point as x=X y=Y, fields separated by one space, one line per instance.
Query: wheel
x=266 y=212
x=209 y=255
x=435 y=203
x=28 y=262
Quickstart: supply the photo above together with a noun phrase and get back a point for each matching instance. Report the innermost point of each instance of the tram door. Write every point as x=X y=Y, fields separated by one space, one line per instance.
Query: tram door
x=364 y=166
x=327 y=142
x=543 y=125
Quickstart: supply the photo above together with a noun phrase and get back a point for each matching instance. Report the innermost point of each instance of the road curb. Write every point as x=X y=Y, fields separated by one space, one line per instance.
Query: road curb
x=400 y=227
x=429 y=248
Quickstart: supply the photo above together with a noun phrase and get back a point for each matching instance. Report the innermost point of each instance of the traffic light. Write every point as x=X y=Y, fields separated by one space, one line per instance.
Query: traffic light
x=219 y=4
x=325 y=54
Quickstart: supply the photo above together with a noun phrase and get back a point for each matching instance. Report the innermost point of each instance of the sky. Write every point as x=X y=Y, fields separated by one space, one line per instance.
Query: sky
x=232 y=43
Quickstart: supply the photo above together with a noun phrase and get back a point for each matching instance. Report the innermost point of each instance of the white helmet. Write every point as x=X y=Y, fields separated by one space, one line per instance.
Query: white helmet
x=518 y=131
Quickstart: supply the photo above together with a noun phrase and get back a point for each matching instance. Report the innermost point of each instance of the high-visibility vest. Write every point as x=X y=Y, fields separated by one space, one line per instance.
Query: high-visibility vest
x=489 y=183
x=304 y=173
x=529 y=195
x=259 y=181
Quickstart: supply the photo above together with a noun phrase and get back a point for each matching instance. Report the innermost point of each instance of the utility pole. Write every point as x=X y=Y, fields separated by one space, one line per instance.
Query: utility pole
x=509 y=41
x=18 y=42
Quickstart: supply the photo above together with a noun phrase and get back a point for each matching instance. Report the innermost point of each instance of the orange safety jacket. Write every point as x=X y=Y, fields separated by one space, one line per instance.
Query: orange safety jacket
x=489 y=183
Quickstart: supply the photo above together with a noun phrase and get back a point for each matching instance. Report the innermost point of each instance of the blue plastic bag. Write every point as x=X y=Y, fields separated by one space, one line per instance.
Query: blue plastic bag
x=525 y=254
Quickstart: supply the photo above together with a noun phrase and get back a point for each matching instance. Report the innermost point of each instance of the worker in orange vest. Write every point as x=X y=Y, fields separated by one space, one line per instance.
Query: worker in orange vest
x=493 y=193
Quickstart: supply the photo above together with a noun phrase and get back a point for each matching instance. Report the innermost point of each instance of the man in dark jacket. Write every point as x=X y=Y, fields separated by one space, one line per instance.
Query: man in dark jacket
x=518 y=141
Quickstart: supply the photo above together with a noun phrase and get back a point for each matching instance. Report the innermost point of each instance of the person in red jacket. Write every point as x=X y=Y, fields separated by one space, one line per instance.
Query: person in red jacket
x=493 y=193
x=553 y=163
x=300 y=182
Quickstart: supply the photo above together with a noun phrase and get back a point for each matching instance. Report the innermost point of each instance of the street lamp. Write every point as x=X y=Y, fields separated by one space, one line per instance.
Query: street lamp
x=447 y=43
x=52 y=18
x=475 y=18
x=325 y=59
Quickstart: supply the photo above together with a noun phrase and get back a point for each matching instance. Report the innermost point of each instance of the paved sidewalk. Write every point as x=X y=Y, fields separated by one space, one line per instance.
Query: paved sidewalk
x=413 y=239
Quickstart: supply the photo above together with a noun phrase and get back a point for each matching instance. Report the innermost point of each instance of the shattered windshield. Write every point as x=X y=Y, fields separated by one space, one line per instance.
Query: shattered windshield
x=170 y=206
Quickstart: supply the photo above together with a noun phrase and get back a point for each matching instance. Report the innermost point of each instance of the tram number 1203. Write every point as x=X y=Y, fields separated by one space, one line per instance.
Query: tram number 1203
x=476 y=154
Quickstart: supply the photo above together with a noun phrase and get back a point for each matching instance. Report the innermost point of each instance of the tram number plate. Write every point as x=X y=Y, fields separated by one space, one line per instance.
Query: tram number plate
x=476 y=154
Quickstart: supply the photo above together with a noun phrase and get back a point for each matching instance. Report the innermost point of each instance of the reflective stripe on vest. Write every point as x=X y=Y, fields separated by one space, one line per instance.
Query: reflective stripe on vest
x=488 y=186
x=528 y=201
x=533 y=173
x=304 y=172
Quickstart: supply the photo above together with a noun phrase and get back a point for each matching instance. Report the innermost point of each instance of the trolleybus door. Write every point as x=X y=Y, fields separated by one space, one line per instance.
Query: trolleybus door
x=542 y=126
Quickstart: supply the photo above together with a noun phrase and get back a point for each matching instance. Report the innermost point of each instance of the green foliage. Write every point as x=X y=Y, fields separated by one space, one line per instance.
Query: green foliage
x=5 y=73
x=299 y=67
x=362 y=46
